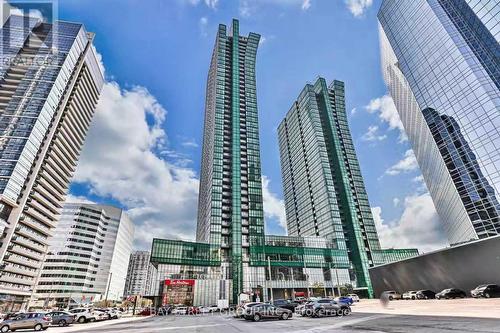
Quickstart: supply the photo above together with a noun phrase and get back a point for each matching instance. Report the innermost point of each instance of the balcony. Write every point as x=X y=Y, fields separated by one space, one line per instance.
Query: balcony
x=16 y=279
x=28 y=243
x=25 y=252
x=21 y=230
x=14 y=258
x=17 y=269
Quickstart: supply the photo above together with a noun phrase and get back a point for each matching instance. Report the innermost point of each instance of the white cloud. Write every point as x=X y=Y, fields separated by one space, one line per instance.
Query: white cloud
x=353 y=111
x=31 y=13
x=203 y=26
x=246 y=8
x=372 y=135
x=120 y=160
x=418 y=226
x=212 y=3
x=358 y=7
x=395 y=202
x=387 y=113
x=70 y=198
x=407 y=164
x=193 y=2
x=249 y=8
x=274 y=207
x=190 y=143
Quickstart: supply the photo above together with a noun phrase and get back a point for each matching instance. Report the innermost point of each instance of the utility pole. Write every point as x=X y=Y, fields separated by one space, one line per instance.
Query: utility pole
x=270 y=282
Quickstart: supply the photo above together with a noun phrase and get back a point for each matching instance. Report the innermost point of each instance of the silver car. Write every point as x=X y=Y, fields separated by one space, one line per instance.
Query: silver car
x=29 y=320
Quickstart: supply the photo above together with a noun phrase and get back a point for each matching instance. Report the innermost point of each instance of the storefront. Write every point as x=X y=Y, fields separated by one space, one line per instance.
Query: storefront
x=11 y=303
x=178 y=292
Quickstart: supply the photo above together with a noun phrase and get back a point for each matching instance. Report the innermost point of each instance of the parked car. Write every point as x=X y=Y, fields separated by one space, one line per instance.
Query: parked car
x=266 y=311
x=344 y=299
x=301 y=308
x=102 y=314
x=410 y=295
x=240 y=310
x=354 y=297
x=285 y=304
x=327 y=307
x=451 y=293
x=83 y=315
x=426 y=294
x=10 y=315
x=29 y=320
x=486 y=290
x=146 y=312
x=392 y=295
x=209 y=309
x=164 y=310
x=180 y=310
x=61 y=318
x=193 y=310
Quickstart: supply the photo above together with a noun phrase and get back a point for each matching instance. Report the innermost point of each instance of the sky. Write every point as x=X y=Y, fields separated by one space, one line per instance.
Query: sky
x=143 y=149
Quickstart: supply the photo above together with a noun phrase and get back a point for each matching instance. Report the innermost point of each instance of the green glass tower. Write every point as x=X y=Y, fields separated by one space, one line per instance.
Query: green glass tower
x=324 y=191
x=230 y=209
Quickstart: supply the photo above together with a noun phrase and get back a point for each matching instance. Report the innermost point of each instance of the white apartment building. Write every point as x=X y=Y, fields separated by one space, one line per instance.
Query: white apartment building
x=88 y=256
x=137 y=274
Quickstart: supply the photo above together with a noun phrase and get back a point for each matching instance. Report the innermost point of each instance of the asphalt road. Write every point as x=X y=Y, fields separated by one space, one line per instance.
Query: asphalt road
x=356 y=322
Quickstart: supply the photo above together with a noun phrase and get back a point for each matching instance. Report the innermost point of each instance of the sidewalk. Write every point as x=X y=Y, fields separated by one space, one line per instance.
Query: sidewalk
x=97 y=324
x=468 y=307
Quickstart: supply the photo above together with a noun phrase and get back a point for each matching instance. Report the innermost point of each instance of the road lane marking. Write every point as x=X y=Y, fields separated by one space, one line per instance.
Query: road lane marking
x=343 y=323
x=184 y=327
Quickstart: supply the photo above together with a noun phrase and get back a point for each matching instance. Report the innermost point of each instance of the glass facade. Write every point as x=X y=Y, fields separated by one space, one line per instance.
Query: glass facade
x=49 y=87
x=440 y=61
x=232 y=255
x=281 y=266
x=324 y=191
x=230 y=202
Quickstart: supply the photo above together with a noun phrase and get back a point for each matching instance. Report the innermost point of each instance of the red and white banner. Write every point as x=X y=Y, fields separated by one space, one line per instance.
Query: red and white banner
x=178 y=283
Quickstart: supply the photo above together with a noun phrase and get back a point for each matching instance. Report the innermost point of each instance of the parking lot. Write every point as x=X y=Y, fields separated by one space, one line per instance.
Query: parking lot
x=357 y=322
x=368 y=316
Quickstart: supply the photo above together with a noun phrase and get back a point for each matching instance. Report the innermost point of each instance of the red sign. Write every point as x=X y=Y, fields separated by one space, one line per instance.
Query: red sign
x=169 y=282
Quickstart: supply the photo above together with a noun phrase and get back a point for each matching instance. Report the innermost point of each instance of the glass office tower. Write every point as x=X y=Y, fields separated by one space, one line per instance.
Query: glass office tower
x=230 y=210
x=232 y=259
x=440 y=60
x=50 y=82
x=324 y=191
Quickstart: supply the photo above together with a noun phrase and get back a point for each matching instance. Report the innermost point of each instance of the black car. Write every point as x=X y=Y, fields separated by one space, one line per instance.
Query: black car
x=426 y=294
x=326 y=307
x=267 y=311
x=285 y=304
x=486 y=290
x=451 y=293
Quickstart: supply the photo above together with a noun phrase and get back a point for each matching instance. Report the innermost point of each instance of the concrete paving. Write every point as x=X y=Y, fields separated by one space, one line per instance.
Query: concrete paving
x=358 y=321
x=467 y=307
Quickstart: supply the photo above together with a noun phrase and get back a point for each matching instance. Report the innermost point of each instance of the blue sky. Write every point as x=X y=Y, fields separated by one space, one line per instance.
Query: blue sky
x=144 y=147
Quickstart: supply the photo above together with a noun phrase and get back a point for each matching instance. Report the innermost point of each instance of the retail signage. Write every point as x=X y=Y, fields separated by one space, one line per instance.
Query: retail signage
x=169 y=282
